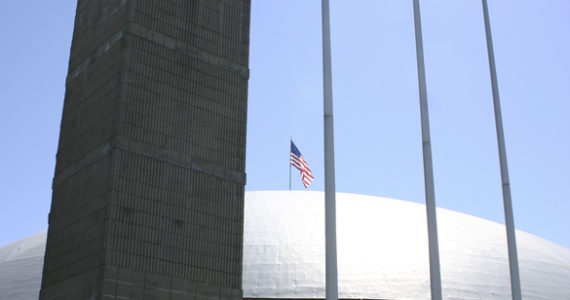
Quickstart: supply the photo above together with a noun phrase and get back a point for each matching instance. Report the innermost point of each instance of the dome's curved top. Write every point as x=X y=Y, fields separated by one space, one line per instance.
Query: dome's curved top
x=31 y=246
x=383 y=253
x=21 y=268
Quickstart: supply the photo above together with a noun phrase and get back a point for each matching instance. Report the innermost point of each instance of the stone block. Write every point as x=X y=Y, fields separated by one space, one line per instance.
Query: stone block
x=156 y=294
x=127 y=275
x=129 y=291
x=109 y=287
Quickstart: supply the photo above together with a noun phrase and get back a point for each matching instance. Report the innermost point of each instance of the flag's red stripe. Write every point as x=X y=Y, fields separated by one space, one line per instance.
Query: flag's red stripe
x=303 y=167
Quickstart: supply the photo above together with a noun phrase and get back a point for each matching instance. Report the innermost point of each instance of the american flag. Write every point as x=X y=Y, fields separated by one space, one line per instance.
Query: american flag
x=299 y=162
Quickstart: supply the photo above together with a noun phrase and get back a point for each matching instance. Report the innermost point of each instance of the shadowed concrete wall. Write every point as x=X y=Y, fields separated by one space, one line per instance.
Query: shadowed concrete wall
x=149 y=183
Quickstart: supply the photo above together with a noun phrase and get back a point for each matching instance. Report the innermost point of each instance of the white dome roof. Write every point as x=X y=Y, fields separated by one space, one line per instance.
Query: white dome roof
x=21 y=268
x=382 y=253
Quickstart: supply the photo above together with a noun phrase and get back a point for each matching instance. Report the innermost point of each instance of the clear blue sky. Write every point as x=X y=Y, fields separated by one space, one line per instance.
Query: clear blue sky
x=377 y=126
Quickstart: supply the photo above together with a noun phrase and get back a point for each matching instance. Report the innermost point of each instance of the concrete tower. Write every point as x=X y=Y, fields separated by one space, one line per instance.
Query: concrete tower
x=149 y=182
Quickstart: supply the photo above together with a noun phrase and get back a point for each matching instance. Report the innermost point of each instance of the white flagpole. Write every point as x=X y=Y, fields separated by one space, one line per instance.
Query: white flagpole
x=330 y=205
x=290 y=142
x=435 y=276
x=509 y=219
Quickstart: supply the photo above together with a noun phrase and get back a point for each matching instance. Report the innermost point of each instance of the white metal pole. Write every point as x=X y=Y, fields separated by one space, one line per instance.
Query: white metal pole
x=330 y=205
x=509 y=219
x=290 y=143
x=435 y=276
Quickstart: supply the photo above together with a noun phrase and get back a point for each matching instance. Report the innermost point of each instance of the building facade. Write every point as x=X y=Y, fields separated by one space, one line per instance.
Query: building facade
x=149 y=183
